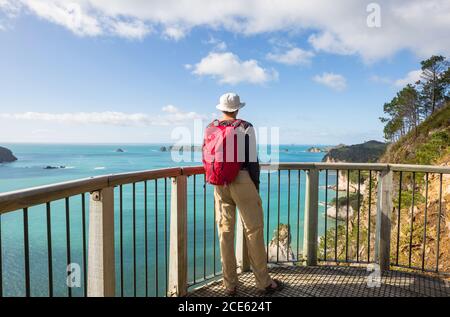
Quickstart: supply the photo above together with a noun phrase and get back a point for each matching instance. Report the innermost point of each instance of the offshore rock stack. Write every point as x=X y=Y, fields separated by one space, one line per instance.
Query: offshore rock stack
x=280 y=246
x=6 y=156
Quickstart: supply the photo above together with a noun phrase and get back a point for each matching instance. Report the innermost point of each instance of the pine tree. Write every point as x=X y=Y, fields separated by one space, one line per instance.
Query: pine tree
x=432 y=83
x=414 y=103
x=408 y=102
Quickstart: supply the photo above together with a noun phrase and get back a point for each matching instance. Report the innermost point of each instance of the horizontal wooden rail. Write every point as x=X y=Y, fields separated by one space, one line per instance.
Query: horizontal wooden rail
x=287 y=166
x=24 y=198
x=352 y=166
x=135 y=177
x=193 y=170
x=419 y=168
x=15 y=200
x=358 y=166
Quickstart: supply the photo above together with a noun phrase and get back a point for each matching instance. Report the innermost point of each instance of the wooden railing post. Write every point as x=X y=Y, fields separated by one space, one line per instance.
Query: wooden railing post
x=383 y=222
x=178 y=265
x=311 y=217
x=242 y=259
x=101 y=263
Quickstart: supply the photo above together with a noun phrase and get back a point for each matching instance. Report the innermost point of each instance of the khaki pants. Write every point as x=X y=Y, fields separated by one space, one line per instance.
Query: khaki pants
x=242 y=194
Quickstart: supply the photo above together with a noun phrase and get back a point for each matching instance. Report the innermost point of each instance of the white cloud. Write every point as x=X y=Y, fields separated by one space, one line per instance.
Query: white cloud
x=328 y=42
x=411 y=78
x=43 y=132
x=229 y=69
x=175 y=33
x=68 y=14
x=334 y=81
x=170 y=109
x=339 y=27
x=221 y=46
x=293 y=56
x=10 y=8
x=132 y=30
x=218 y=45
x=171 y=116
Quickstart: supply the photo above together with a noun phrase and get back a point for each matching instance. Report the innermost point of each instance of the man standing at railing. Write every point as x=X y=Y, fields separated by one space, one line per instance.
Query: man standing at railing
x=231 y=165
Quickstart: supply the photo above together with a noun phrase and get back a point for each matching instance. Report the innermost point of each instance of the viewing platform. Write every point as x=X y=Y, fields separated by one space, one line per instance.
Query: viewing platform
x=335 y=281
x=152 y=233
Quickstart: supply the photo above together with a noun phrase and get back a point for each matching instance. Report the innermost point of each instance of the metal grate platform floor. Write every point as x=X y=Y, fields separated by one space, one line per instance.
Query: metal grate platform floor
x=334 y=281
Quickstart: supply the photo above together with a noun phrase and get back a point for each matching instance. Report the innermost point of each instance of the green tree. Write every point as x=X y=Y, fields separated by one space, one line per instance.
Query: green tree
x=433 y=83
x=394 y=122
x=414 y=103
x=408 y=101
x=403 y=113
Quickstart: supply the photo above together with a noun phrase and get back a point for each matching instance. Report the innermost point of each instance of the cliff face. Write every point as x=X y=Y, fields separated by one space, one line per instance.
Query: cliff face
x=366 y=152
x=430 y=144
x=6 y=156
x=425 y=233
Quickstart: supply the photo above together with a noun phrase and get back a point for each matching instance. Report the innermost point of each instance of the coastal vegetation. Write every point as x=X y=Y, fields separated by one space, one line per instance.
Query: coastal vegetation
x=367 y=152
x=416 y=102
x=418 y=127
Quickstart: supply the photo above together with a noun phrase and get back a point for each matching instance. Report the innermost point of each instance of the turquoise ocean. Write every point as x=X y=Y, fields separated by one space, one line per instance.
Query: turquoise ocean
x=81 y=161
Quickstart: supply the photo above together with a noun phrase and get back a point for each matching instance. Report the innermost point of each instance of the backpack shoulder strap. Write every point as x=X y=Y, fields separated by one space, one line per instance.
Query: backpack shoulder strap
x=236 y=123
x=214 y=123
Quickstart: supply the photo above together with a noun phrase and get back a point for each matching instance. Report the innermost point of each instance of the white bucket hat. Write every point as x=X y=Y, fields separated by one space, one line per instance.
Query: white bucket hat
x=230 y=102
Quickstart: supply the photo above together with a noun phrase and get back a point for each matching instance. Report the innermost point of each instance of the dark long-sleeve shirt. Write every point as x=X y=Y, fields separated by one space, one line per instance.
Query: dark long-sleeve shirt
x=251 y=163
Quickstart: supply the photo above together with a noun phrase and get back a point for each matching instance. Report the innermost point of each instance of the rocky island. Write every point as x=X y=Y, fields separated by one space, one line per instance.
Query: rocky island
x=50 y=167
x=6 y=155
x=314 y=150
x=366 y=152
x=187 y=148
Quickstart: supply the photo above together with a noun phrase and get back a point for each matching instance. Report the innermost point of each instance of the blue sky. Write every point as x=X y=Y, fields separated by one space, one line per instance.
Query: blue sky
x=135 y=76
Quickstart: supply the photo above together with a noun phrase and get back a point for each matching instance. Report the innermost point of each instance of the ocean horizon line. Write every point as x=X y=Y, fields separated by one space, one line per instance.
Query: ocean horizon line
x=144 y=143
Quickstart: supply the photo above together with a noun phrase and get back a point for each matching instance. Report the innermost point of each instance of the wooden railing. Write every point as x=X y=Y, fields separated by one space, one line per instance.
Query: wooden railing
x=101 y=264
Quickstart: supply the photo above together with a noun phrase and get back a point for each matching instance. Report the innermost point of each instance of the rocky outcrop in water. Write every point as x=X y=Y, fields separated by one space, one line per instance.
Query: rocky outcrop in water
x=341 y=213
x=181 y=148
x=281 y=250
x=314 y=150
x=50 y=167
x=6 y=156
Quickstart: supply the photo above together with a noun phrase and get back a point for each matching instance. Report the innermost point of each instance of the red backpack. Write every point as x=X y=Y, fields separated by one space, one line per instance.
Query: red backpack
x=220 y=169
